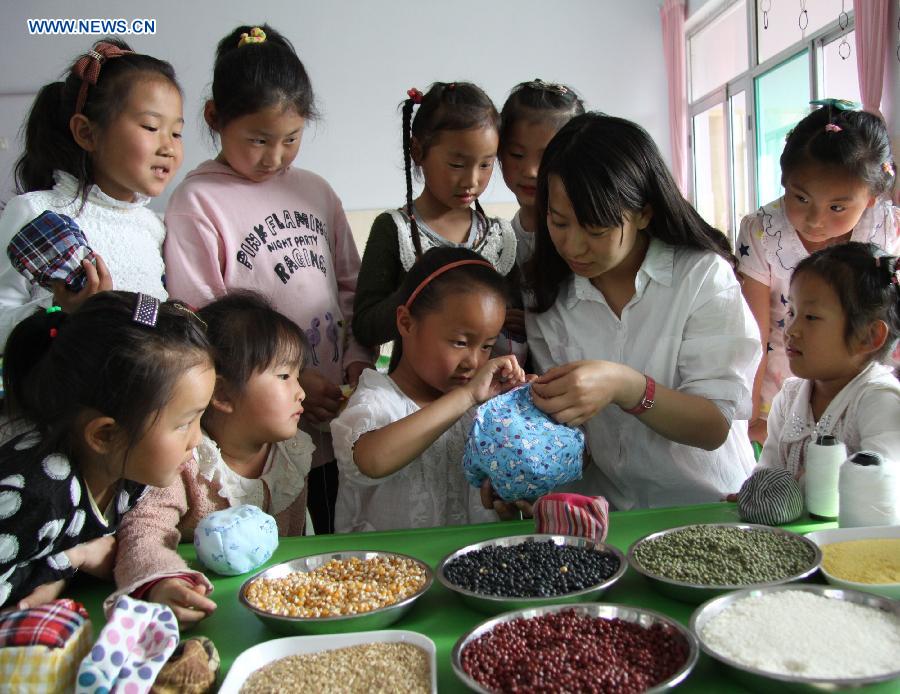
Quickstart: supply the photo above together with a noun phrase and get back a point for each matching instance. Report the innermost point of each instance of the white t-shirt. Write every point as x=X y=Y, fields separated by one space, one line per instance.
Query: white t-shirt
x=430 y=491
x=688 y=327
x=127 y=235
x=864 y=416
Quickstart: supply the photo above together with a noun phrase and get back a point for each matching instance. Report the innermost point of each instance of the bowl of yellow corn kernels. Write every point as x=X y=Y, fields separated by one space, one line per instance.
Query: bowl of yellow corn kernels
x=336 y=592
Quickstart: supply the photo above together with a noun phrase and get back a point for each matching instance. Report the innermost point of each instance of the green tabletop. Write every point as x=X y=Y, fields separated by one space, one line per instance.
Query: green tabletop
x=439 y=614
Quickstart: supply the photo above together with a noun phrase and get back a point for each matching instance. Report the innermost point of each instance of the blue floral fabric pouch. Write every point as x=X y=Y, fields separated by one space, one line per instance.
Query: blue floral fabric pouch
x=524 y=452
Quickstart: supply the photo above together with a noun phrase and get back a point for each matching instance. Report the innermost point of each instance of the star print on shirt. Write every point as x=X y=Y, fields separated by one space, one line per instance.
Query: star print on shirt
x=744 y=250
x=769 y=347
x=784 y=302
x=780 y=323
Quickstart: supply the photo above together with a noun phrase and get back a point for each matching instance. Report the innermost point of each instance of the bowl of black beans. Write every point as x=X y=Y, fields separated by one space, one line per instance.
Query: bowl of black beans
x=695 y=563
x=512 y=573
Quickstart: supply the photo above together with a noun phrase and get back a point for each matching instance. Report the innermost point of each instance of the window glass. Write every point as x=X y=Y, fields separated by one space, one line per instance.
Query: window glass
x=719 y=51
x=739 y=158
x=782 y=99
x=710 y=170
x=839 y=76
x=784 y=22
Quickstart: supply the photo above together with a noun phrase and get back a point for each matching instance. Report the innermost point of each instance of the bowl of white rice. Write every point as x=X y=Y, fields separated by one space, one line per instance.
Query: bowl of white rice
x=803 y=638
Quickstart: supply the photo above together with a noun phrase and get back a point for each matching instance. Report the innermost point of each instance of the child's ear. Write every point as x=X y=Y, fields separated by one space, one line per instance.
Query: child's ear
x=222 y=397
x=209 y=115
x=415 y=150
x=875 y=337
x=404 y=321
x=83 y=132
x=101 y=435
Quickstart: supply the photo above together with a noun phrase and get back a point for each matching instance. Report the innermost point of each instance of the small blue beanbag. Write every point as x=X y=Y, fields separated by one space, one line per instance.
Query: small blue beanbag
x=235 y=540
x=523 y=451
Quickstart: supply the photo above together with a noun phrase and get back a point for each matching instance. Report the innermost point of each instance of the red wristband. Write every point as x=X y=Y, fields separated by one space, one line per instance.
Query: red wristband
x=646 y=400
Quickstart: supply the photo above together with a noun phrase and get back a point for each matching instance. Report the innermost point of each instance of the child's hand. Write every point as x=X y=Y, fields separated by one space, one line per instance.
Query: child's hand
x=515 y=322
x=188 y=601
x=507 y=510
x=95 y=557
x=48 y=592
x=355 y=369
x=98 y=280
x=496 y=376
x=575 y=392
x=323 y=398
x=758 y=431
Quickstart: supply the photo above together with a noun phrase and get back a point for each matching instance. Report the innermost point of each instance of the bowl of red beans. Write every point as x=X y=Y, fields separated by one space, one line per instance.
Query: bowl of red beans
x=521 y=571
x=597 y=647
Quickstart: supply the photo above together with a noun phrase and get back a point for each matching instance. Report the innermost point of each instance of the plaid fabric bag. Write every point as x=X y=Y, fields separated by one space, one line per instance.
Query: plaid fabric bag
x=42 y=647
x=50 y=247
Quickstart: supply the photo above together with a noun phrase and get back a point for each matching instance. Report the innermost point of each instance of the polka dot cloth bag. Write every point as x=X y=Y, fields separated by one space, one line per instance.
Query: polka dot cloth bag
x=134 y=645
x=520 y=449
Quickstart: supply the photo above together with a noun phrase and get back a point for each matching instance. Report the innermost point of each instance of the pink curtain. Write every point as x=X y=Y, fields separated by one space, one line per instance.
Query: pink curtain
x=672 y=15
x=872 y=33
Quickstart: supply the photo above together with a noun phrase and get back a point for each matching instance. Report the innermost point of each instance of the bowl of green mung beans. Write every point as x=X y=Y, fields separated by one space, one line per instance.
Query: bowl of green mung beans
x=694 y=563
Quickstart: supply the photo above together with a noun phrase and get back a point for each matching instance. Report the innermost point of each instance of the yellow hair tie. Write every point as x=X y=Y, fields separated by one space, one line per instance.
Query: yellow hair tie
x=256 y=35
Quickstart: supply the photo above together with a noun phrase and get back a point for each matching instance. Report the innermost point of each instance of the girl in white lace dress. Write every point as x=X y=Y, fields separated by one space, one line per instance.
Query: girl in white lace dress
x=98 y=145
x=251 y=453
x=399 y=442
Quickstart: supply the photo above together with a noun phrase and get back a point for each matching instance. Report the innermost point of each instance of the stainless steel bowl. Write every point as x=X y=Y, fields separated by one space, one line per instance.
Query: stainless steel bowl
x=759 y=680
x=364 y=621
x=696 y=593
x=494 y=604
x=639 y=615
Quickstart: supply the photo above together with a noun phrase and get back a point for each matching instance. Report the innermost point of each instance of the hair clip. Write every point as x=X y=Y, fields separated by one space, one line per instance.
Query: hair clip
x=451 y=86
x=190 y=311
x=888 y=168
x=540 y=85
x=415 y=95
x=146 y=310
x=54 y=332
x=256 y=35
x=53 y=309
x=832 y=128
x=839 y=104
x=87 y=67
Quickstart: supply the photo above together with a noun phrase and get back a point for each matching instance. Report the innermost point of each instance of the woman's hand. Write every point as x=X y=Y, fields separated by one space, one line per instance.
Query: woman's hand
x=496 y=376
x=575 y=392
x=507 y=510
x=323 y=398
x=354 y=371
x=188 y=601
x=98 y=280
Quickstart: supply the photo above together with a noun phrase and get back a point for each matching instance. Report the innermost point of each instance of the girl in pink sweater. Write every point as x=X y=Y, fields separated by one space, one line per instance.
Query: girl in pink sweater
x=251 y=453
x=250 y=220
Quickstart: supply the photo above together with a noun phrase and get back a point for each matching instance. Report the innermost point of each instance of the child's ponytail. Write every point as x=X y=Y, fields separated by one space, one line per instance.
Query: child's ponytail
x=415 y=97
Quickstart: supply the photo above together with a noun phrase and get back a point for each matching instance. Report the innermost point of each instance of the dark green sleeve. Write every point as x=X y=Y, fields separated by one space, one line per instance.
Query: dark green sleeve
x=377 y=287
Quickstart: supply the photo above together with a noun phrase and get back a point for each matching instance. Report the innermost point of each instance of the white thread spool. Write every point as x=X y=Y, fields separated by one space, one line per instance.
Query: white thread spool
x=824 y=457
x=869 y=491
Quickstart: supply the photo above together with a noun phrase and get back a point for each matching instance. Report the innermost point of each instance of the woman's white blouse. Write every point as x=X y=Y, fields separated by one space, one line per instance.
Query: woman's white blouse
x=688 y=327
x=430 y=491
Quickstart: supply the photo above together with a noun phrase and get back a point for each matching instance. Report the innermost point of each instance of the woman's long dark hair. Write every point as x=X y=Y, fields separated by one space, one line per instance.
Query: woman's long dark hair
x=610 y=166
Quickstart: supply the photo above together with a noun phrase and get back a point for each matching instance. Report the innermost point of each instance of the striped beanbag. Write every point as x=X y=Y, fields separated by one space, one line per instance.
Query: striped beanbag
x=770 y=496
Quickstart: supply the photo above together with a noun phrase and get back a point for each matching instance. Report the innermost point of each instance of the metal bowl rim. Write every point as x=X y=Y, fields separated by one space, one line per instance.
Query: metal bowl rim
x=733 y=597
x=487 y=625
x=598 y=546
x=806 y=573
x=429 y=579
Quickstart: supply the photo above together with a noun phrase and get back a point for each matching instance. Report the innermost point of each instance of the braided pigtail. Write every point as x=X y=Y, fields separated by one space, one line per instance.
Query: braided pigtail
x=415 y=97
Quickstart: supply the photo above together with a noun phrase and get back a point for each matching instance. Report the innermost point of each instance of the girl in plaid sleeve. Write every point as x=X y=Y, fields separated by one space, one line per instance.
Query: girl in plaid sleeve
x=99 y=144
x=837 y=173
x=99 y=404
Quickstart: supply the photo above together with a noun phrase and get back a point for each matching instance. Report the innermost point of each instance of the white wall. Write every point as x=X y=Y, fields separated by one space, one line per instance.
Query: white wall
x=362 y=56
